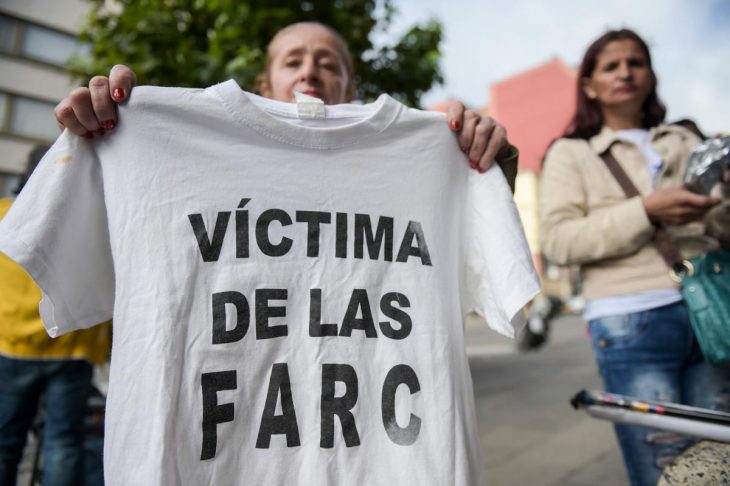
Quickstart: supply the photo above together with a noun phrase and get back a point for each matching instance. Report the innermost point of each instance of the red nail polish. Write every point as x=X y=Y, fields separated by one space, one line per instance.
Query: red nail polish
x=455 y=124
x=473 y=163
x=482 y=170
x=108 y=125
x=118 y=94
x=88 y=135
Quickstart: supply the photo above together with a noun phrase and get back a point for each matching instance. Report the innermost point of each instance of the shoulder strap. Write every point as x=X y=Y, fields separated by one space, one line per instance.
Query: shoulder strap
x=662 y=239
x=619 y=174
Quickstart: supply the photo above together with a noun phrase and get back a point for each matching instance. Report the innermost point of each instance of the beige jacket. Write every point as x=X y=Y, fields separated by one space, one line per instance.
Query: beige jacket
x=586 y=218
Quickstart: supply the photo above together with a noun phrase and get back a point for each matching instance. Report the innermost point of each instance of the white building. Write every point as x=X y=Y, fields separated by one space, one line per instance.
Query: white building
x=36 y=39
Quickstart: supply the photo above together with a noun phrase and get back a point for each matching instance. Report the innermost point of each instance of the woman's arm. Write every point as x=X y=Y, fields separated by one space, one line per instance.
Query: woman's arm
x=573 y=233
x=677 y=206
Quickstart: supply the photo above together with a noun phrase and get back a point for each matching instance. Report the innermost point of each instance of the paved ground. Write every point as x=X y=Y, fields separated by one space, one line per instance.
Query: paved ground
x=530 y=434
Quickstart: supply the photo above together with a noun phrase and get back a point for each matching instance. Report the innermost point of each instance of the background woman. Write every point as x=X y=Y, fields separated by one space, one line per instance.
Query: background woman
x=637 y=319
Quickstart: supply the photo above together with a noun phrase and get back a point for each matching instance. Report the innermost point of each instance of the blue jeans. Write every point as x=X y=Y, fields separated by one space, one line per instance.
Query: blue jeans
x=654 y=355
x=66 y=386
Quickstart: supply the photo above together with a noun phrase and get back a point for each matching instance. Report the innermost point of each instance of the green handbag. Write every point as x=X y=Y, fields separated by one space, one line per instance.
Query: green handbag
x=705 y=282
x=706 y=289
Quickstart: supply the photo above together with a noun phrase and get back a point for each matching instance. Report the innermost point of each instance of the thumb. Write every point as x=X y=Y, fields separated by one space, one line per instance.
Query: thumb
x=701 y=201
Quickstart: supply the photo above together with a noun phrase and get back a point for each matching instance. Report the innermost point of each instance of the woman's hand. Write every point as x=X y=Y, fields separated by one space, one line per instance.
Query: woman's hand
x=92 y=111
x=482 y=139
x=677 y=205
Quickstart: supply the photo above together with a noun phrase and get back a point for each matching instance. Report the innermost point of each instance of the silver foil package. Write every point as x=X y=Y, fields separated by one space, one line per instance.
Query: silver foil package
x=706 y=165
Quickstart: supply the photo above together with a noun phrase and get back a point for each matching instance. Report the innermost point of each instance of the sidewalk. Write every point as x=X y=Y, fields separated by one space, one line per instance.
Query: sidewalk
x=530 y=434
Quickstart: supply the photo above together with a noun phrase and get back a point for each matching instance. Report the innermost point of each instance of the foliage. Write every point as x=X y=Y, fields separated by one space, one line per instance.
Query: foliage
x=195 y=43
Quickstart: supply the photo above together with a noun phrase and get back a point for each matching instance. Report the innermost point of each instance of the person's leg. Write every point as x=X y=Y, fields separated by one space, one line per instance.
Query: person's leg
x=20 y=384
x=705 y=385
x=641 y=355
x=94 y=441
x=64 y=410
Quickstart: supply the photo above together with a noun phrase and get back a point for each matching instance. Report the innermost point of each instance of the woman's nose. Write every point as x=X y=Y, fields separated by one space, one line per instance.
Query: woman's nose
x=624 y=71
x=308 y=71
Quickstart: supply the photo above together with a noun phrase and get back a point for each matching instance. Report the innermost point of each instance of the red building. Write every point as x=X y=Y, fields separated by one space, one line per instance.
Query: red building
x=535 y=106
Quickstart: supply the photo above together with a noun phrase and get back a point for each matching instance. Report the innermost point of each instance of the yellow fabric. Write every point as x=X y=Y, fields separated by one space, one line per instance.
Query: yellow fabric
x=22 y=334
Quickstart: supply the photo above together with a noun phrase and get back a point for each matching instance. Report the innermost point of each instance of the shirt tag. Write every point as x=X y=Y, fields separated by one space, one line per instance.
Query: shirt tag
x=309 y=106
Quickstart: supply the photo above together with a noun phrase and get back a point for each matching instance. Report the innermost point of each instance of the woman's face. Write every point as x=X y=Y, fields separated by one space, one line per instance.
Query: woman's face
x=306 y=59
x=622 y=78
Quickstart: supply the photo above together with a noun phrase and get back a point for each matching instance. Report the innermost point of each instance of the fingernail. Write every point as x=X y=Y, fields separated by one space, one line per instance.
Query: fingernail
x=482 y=170
x=88 y=135
x=99 y=132
x=118 y=94
x=455 y=124
x=472 y=163
x=108 y=125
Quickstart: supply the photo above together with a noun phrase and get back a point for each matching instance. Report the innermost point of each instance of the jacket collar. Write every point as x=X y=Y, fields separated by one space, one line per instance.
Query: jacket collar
x=607 y=137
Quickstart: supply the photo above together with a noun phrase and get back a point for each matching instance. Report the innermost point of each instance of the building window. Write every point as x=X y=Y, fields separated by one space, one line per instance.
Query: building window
x=8 y=184
x=8 y=32
x=27 y=117
x=3 y=110
x=33 y=118
x=48 y=46
x=32 y=41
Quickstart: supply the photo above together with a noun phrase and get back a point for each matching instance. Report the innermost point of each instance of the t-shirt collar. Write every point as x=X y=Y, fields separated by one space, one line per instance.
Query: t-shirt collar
x=267 y=117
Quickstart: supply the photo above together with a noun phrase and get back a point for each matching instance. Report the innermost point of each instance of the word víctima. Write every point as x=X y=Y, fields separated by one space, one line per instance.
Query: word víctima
x=355 y=230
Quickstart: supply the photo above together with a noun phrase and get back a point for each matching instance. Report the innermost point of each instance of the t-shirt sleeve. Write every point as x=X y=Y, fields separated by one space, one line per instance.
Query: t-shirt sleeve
x=57 y=230
x=500 y=276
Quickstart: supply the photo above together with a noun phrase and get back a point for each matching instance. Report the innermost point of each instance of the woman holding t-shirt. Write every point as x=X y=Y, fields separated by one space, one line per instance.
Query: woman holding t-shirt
x=312 y=59
x=637 y=319
x=306 y=57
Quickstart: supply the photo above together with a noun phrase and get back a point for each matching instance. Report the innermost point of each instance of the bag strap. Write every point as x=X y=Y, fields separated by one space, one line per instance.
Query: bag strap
x=662 y=239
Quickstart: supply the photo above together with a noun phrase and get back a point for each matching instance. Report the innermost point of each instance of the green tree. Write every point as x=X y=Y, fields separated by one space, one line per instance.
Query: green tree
x=196 y=43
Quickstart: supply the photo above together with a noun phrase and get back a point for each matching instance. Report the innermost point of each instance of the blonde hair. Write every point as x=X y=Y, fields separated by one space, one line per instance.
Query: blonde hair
x=262 y=80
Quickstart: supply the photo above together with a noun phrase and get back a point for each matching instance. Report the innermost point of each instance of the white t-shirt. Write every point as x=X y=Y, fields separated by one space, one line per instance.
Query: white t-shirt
x=287 y=293
x=641 y=137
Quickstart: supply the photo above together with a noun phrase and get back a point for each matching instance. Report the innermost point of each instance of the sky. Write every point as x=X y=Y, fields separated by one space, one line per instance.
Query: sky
x=490 y=40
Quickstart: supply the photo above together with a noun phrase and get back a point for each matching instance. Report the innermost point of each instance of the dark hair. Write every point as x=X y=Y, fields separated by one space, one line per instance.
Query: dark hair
x=588 y=119
x=692 y=126
x=34 y=157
